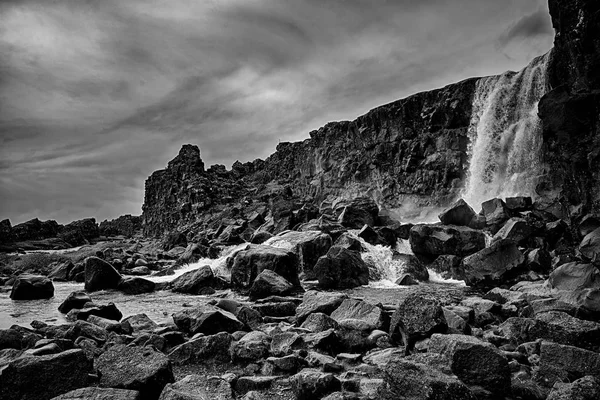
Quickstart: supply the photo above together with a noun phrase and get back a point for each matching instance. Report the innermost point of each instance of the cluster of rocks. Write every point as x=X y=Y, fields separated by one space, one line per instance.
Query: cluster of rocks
x=420 y=344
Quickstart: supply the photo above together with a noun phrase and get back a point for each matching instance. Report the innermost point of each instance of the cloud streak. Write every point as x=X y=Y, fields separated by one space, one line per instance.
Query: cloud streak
x=94 y=96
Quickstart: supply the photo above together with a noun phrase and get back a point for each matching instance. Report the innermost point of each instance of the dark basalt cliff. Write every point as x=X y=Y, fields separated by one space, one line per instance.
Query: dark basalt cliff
x=415 y=148
x=570 y=111
x=412 y=151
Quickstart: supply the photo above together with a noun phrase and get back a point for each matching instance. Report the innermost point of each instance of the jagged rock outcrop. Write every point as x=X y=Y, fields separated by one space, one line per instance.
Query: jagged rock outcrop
x=126 y=225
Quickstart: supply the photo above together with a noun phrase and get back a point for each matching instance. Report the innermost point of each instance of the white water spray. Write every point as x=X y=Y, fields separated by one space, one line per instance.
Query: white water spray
x=505 y=134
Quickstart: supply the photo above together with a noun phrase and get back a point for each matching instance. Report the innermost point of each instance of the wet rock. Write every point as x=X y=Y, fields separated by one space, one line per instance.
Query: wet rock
x=561 y=363
x=96 y=393
x=100 y=275
x=358 y=212
x=575 y=276
x=269 y=283
x=140 y=322
x=135 y=368
x=87 y=330
x=60 y=271
x=357 y=310
x=196 y=282
x=108 y=311
x=44 y=377
x=11 y=339
x=322 y=302
x=496 y=213
x=32 y=287
x=197 y=387
x=590 y=246
x=341 y=268
x=259 y=237
x=319 y=322
x=203 y=349
x=408 y=379
x=406 y=280
x=417 y=317
x=307 y=245
x=311 y=384
x=473 y=361
x=412 y=266
x=519 y=203
x=370 y=236
x=434 y=240
x=586 y=388
x=135 y=285
x=248 y=263
x=110 y=325
x=459 y=213
x=515 y=229
x=493 y=264
x=207 y=319
x=448 y=266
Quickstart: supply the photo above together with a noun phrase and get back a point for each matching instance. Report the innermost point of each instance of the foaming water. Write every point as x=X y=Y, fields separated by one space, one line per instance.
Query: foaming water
x=505 y=134
x=218 y=265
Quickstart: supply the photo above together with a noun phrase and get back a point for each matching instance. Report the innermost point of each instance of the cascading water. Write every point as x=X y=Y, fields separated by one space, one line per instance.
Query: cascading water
x=505 y=134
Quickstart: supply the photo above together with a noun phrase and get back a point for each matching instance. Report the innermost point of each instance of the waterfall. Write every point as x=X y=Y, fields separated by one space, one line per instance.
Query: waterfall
x=505 y=134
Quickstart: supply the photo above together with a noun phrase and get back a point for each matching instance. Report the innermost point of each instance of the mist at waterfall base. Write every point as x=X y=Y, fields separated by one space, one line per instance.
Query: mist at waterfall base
x=504 y=153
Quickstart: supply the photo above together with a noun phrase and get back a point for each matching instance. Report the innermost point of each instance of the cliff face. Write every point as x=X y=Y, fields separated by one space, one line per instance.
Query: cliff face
x=413 y=149
x=570 y=111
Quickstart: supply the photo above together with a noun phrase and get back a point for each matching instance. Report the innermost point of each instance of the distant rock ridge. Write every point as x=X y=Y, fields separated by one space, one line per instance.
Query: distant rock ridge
x=412 y=151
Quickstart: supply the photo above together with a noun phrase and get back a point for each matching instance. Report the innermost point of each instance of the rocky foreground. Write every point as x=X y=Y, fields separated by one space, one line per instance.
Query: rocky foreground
x=286 y=320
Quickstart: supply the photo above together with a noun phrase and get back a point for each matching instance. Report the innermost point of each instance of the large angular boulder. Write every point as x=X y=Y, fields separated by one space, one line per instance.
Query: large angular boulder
x=269 y=283
x=44 y=377
x=307 y=245
x=563 y=363
x=96 y=393
x=358 y=212
x=135 y=285
x=248 y=263
x=586 y=388
x=515 y=229
x=411 y=380
x=203 y=349
x=252 y=347
x=60 y=271
x=358 y=312
x=341 y=268
x=494 y=264
x=435 y=240
x=590 y=246
x=207 y=319
x=496 y=213
x=410 y=265
x=135 y=368
x=417 y=317
x=459 y=213
x=311 y=384
x=575 y=276
x=100 y=275
x=198 y=281
x=473 y=361
x=198 y=387
x=318 y=302
x=32 y=287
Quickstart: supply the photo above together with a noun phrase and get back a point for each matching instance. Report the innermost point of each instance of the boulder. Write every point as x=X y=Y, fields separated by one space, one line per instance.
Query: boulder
x=372 y=237
x=135 y=368
x=341 y=268
x=519 y=203
x=203 y=349
x=496 y=213
x=588 y=224
x=197 y=282
x=250 y=262
x=307 y=245
x=435 y=240
x=586 y=388
x=252 y=347
x=494 y=264
x=459 y=213
x=539 y=260
x=60 y=271
x=319 y=322
x=473 y=361
x=575 y=276
x=590 y=246
x=410 y=265
x=198 y=387
x=411 y=380
x=135 y=285
x=87 y=330
x=100 y=275
x=44 y=377
x=417 y=317
x=358 y=212
x=369 y=315
x=311 y=384
x=140 y=322
x=515 y=229
x=448 y=266
x=108 y=311
x=207 y=319
x=269 y=283
x=32 y=287
x=96 y=393
x=563 y=363
x=318 y=302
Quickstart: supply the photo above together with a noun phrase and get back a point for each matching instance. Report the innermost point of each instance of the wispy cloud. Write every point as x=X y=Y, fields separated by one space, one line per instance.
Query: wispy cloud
x=95 y=95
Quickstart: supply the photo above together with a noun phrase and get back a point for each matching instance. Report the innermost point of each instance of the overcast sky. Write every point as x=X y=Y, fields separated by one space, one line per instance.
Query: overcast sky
x=97 y=94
